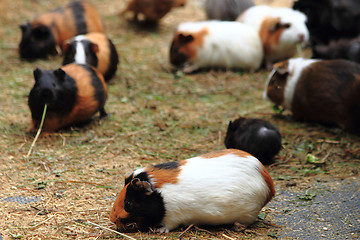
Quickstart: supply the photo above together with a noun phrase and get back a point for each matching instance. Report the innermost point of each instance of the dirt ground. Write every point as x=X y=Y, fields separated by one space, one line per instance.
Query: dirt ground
x=71 y=179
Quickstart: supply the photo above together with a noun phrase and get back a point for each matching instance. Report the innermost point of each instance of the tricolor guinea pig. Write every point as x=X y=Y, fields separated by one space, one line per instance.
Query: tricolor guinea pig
x=73 y=94
x=255 y=136
x=215 y=44
x=226 y=10
x=323 y=91
x=42 y=35
x=152 y=10
x=94 y=49
x=221 y=187
x=280 y=30
x=342 y=49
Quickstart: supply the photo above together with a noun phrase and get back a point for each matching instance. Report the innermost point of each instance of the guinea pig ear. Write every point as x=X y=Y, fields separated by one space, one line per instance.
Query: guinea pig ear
x=23 y=27
x=141 y=186
x=37 y=74
x=230 y=127
x=59 y=74
x=94 y=47
x=184 y=39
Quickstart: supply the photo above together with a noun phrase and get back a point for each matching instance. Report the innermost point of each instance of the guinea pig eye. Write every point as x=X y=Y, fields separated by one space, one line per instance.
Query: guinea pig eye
x=127 y=205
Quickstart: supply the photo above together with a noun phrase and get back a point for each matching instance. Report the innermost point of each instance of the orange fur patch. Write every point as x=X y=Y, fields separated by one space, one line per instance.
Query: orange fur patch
x=162 y=176
x=103 y=54
x=118 y=211
x=190 y=49
x=225 y=152
x=269 y=182
x=269 y=38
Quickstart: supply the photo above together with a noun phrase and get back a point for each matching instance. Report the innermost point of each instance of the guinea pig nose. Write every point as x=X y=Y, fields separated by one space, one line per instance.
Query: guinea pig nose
x=301 y=37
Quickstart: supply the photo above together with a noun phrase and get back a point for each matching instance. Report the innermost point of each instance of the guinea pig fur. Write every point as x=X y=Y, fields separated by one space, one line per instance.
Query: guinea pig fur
x=226 y=10
x=255 y=136
x=323 y=91
x=221 y=187
x=342 y=49
x=73 y=94
x=94 y=49
x=152 y=10
x=280 y=30
x=42 y=35
x=215 y=44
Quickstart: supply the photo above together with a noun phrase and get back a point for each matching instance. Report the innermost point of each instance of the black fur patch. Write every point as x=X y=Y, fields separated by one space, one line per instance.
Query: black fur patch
x=114 y=61
x=168 y=165
x=79 y=17
x=177 y=59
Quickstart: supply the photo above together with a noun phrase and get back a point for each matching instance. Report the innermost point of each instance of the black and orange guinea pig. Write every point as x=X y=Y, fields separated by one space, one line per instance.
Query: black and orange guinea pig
x=255 y=136
x=94 y=49
x=73 y=94
x=152 y=10
x=217 y=188
x=322 y=91
x=44 y=34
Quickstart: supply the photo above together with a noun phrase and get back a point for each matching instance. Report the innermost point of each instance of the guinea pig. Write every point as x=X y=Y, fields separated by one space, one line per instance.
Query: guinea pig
x=280 y=30
x=221 y=187
x=323 y=91
x=226 y=10
x=73 y=94
x=44 y=34
x=215 y=44
x=152 y=10
x=342 y=49
x=94 y=49
x=255 y=136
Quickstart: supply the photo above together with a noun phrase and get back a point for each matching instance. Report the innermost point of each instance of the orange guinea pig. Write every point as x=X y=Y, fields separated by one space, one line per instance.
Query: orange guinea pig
x=73 y=94
x=43 y=34
x=153 y=10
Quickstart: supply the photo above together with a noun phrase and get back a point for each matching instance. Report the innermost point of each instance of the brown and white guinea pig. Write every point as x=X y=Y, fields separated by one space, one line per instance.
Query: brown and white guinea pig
x=255 y=136
x=152 y=10
x=280 y=30
x=94 y=49
x=73 y=94
x=215 y=44
x=226 y=10
x=342 y=49
x=323 y=91
x=42 y=35
x=221 y=187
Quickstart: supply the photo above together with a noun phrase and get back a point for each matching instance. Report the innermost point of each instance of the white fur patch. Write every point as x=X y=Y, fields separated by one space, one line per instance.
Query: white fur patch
x=265 y=97
x=80 y=56
x=228 y=44
x=220 y=190
x=296 y=67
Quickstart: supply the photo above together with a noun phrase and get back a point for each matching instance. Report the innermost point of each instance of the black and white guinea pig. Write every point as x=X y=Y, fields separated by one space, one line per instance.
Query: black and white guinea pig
x=221 y=187
x=255 y=136
x=342 y=49
x=94 y=49
x=226 y=10
x=280 y=30
x=73 y=94
x=215 y=44
x=323 y=91
x=42 y=35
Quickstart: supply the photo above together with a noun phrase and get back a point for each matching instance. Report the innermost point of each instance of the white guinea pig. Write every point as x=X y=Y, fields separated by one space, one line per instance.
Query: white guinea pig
x=324 y=91
x=280 y=30
x=215 y=44
x=221 y=187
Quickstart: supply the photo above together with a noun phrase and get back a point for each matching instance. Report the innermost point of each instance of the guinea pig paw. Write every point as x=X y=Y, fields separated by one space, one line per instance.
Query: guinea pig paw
x=188 y=68
x=162 y=230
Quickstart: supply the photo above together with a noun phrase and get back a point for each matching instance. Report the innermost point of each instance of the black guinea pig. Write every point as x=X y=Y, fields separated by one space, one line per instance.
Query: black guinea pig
x=321 y=91
x=94 y=49
x=255 y=136
x=73 y=94
x=42 y=35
